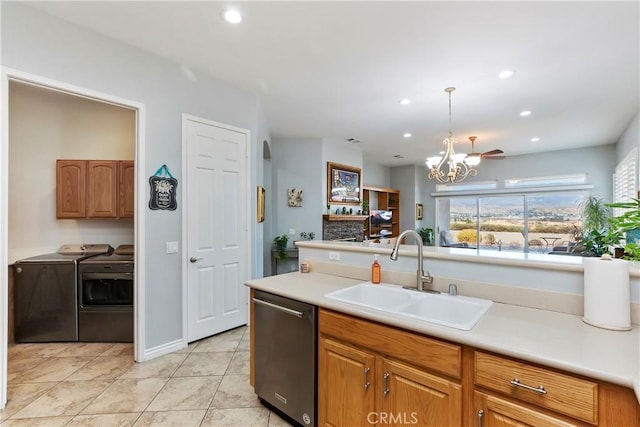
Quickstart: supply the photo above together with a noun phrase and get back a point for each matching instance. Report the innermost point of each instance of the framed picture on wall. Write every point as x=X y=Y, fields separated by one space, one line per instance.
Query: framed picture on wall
x=343 y=184
x=260 y=204
x=418 y=211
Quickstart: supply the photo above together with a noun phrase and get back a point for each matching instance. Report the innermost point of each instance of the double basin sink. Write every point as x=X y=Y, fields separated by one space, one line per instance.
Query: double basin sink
x=458 y=312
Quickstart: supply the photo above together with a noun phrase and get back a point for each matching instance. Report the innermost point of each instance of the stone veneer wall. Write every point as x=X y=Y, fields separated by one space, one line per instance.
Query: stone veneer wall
x=338 y=230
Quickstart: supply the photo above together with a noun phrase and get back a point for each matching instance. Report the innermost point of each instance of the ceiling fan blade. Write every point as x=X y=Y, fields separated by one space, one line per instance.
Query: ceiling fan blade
x=492 y=152
x=493 y=157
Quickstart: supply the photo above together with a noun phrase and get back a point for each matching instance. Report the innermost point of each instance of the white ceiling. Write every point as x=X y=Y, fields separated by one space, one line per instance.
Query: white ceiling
x=338 y=69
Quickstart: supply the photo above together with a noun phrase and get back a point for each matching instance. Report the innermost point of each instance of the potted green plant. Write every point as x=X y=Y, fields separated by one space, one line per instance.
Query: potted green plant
x=628 y=224
x=427 y=235
x=365 y=207
x=595 y=214
x=308 y=236
x=280 y=244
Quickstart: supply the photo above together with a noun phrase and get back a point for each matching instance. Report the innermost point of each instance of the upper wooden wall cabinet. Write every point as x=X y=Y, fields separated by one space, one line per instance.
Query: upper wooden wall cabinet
x=94 y=189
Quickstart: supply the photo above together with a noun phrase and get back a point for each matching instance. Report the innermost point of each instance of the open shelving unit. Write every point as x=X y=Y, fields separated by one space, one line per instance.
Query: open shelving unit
x=387 y=199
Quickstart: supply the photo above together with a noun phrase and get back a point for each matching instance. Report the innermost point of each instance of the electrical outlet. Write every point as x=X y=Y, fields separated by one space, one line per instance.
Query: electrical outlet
x=334 y=256
x=292 y=231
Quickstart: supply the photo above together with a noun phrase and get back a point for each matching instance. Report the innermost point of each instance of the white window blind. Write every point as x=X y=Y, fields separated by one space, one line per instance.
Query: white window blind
x=625 y=186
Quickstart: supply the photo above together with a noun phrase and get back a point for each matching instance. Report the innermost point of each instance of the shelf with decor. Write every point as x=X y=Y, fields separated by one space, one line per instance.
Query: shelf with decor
x=384 y=212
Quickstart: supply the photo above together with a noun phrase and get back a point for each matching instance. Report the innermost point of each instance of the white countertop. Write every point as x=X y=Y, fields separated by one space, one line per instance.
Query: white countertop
x=557 y=340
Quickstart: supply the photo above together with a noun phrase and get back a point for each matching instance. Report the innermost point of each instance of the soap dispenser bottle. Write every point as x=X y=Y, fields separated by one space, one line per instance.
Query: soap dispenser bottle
x=375 y=270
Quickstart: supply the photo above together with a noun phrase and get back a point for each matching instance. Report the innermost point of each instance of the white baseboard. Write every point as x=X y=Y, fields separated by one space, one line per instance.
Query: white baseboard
x=161 y=350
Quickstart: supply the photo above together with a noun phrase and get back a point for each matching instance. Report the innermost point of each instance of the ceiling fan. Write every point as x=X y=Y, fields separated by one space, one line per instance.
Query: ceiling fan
x=493 y=154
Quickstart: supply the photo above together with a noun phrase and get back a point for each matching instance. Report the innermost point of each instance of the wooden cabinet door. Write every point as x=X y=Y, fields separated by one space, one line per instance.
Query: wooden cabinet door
x=411 y=396
x=497 y=412
x=102 y=184
x=345 y=387
x=71 y=179
x=126 y=174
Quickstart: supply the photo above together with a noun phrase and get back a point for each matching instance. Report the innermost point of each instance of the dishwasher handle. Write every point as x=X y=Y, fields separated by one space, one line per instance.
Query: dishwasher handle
x=296 y=313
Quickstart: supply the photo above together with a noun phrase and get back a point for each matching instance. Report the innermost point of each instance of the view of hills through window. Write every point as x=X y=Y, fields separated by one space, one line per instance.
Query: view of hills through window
x=529 y=223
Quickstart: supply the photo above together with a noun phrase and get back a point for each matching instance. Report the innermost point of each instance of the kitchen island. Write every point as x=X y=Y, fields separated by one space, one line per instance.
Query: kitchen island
x=552 y=342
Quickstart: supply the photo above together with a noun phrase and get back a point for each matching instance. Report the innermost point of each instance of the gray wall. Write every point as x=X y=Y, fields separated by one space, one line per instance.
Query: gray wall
x=37 y=43
x=629 y=140
x=403 y=178
x=598 y=162
x=296 y=163
x=374 y=174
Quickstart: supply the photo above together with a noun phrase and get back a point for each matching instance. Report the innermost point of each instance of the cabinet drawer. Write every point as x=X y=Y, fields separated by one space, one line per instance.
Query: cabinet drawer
x=418 y=350
x=562 y=393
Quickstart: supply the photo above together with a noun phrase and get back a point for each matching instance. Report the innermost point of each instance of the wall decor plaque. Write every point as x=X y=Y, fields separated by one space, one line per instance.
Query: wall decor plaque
x=163 y=188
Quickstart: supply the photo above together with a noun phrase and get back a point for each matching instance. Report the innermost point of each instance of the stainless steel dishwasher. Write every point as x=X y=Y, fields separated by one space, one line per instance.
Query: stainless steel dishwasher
x=285 y=355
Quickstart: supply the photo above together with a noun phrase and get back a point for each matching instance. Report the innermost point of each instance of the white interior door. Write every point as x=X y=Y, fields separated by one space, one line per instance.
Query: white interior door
x=216 y=227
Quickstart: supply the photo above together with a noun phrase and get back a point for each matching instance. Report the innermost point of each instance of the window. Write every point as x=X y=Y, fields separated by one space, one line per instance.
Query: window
x=624 y=180
x=535 y=222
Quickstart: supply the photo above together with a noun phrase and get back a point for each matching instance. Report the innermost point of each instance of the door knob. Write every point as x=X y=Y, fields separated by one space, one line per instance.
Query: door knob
x=194 y=259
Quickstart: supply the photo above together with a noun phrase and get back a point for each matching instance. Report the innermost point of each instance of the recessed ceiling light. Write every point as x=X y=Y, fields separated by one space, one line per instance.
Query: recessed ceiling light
x=525 y=113
x=441 y=153
x=536 y=139
x=407 y=135
x=506 y=74
x=405 y=101
x=232 y=16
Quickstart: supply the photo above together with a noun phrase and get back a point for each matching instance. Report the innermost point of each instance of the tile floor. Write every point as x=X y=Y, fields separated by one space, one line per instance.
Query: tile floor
x=96 y=384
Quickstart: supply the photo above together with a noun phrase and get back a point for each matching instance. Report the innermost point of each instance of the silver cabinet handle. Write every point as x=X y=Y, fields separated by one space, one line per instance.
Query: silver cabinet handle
x=194 y=259
x=385 y=378
x=480 y=417
x=296 y=313
x=366 y=378
x=540 y=389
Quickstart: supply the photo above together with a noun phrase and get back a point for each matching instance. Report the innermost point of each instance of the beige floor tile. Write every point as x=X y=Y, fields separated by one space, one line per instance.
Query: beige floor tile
x=119 y=349
x=171 y=419
x=36 y=350
x=52 y=369
x=17 y=367
x=276 y=421
x=241 y=417
x=244 y=343
x=37 y=422
x=84 y=349
x=103 y=368
x=163 y=367
x=23 y=364
x=104 y=420
x=188 y=349
x=20 y=395
x=239 y=364
x=66 y=398
x=126 y=395
x=217 y=344
x=235 y=391
x=183 y=393
x=201 y=364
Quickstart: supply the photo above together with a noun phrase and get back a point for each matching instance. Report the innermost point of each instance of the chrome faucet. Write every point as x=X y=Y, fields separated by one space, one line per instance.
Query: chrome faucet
x=421 y=278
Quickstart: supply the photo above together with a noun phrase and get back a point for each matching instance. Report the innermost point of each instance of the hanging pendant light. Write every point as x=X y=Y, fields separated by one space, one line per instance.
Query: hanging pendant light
x=458 y=166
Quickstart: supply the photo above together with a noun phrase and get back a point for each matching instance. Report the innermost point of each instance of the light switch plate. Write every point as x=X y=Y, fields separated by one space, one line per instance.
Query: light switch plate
x=292 y=231
x=172 y=247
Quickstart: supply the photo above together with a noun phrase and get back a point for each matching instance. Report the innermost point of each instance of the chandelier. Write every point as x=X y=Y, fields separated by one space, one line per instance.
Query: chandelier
x=460 y=166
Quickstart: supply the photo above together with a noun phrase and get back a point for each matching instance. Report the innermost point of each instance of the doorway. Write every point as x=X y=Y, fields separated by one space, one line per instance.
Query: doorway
x=11 y=77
